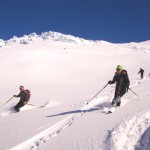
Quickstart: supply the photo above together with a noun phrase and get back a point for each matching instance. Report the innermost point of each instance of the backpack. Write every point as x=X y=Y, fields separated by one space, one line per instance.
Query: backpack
x=126 y=78
x=27 y=94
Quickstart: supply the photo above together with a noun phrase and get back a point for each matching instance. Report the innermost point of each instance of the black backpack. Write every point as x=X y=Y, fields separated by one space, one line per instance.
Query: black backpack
x=126 y=78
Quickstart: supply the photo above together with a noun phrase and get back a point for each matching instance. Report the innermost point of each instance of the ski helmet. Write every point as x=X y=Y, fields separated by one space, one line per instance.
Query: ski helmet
x=119 y=67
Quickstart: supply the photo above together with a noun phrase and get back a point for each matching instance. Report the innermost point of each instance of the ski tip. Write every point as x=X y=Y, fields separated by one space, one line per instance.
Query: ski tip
x=109 y=112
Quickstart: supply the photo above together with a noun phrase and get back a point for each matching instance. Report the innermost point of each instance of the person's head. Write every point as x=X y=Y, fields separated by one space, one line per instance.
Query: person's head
x=21 y=88
x=119 y=69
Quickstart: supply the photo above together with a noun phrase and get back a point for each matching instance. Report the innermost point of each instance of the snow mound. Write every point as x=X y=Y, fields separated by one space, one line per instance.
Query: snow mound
x=127 y=134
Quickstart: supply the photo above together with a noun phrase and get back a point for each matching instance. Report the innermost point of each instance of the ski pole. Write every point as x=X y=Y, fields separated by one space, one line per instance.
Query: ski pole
x=97 y=93
x=31 y=104
x=134 y=93
x=6 y=102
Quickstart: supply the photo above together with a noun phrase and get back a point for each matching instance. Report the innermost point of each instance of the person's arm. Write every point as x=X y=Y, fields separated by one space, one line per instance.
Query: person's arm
x=113 y=81
x=17 y=95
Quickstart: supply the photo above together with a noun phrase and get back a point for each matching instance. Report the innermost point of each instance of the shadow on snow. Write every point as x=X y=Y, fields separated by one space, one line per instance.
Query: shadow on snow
x=97 y=107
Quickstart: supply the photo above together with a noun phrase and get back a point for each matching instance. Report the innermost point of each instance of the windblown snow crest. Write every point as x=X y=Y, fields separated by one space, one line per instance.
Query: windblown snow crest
x=53 y=36
x=128 y=135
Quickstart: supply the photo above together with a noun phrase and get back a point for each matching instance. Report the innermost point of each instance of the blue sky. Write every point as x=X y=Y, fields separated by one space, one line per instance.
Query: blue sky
x=116 y=21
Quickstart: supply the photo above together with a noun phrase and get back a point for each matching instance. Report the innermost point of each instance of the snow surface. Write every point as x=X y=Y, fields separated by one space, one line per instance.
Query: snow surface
x=64 y=73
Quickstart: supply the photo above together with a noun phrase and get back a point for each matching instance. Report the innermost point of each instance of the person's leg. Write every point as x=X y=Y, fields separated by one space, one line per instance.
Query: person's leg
x=19 y=105
x=115 y=96
x=118 y=99
x=141 y=75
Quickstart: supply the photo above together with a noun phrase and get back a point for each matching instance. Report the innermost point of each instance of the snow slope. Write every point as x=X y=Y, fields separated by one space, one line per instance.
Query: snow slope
x=66 y=72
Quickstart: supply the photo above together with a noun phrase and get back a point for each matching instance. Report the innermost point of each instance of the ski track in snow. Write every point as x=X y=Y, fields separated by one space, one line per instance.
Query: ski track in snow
x=126 y=135
x=41 y=138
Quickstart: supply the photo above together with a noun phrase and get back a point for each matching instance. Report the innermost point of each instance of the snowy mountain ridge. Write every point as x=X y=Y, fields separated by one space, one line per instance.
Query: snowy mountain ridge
x=53 y=36
x=59 y=37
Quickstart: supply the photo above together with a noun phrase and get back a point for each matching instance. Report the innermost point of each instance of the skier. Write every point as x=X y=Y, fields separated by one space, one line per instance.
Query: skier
x=141 y=72
x=24 y=98
x=122 y=84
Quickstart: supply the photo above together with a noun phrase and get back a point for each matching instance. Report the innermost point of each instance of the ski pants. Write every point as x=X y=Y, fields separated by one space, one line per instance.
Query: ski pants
x=20 y=104
x=119 y=93
x=141 y=75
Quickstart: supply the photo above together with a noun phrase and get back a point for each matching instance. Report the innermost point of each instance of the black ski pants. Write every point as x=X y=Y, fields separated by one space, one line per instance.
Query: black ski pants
x=120 y=92
x=142 y=75
x=19 y=105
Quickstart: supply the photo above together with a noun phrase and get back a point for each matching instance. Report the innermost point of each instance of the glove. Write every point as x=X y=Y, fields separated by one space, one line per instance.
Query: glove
x=127 y=89
x=109 y=82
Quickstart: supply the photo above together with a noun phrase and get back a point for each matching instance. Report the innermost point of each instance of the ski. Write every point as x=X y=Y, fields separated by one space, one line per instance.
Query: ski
x=110 y=109
x=39 y=106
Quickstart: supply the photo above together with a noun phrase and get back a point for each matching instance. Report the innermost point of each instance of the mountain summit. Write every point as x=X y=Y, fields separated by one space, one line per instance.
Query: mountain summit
x=52 y=36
